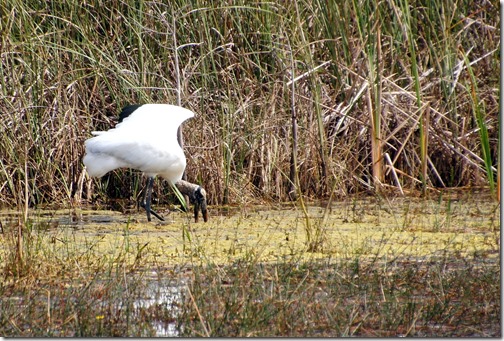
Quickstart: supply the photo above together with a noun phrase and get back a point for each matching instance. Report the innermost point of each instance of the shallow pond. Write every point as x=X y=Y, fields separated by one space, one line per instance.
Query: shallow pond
x=363 y=228
x=76 y=243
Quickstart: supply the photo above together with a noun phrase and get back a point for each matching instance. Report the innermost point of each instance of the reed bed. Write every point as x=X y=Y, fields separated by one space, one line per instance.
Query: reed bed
x=386 y=94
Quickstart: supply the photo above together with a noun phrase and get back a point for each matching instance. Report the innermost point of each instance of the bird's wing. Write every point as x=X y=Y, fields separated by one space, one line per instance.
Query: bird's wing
x=148 y=155
x=149 y=117
x=146 y=139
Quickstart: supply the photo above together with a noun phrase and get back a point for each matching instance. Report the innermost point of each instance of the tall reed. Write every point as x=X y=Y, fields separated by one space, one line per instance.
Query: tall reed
x=367 y=71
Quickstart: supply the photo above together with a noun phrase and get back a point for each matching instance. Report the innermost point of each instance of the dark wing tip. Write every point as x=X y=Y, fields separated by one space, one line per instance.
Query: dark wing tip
x=128 y=110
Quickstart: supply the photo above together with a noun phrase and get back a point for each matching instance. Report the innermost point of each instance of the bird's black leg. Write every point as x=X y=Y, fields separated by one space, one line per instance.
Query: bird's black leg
x=146 y=200
x=141 y=202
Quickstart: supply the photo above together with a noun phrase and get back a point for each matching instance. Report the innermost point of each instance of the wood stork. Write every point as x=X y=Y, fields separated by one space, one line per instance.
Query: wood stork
x=146 y=139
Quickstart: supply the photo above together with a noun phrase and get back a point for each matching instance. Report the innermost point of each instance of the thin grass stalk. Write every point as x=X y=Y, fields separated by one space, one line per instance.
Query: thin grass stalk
x=224 y=115
x=315 y=84
x=335 y=25
x=180 y=136
x=317 y=98
x=294 y=192
x=321 y=136
x=369 y=33
x=376 y=141
x=293 y=171
x=21 y=226
x=394 y=174
x=177 y=71
x=377 y=91
x=141 y=48
x=294 y=174
x=479 y=116
x=424 y=140
x=26 y=188
x=416 y=79
x=201 y=319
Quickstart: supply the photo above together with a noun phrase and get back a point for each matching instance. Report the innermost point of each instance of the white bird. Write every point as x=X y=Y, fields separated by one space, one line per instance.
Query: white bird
x=146 y=139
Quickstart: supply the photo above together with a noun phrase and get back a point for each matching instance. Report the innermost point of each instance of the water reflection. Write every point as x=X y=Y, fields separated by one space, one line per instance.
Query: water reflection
x=163 y=296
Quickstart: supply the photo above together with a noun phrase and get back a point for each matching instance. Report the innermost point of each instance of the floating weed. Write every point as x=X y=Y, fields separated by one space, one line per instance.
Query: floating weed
x=248 y=274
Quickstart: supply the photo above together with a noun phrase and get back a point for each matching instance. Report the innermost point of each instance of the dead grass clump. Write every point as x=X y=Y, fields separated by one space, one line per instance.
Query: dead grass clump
x=354 y=73
x=408 y=298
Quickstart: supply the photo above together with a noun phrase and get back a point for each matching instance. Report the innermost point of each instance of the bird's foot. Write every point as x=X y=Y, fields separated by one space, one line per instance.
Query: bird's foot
x=150 y=211
x=157 y=215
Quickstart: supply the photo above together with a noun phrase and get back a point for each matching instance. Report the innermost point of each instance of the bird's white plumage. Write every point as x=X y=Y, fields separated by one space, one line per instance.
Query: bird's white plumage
x=145 y=140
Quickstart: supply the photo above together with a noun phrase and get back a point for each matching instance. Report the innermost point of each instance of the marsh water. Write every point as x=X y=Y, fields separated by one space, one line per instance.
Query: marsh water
x=366 y=227
x=462 y=226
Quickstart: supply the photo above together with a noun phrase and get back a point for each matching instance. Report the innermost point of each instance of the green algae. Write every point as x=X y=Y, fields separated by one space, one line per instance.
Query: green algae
x=364 y=229
x=84 y=272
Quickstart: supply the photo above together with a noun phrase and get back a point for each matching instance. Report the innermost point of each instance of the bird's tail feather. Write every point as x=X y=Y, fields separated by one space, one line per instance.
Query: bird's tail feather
x=97 y=165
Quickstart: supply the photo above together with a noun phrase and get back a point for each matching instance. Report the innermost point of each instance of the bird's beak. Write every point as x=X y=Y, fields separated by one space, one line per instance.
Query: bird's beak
x=204 y=212
x=205 y=215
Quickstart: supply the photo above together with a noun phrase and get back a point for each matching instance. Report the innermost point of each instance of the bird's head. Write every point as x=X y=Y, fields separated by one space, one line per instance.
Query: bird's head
x=197 y=196
x=200 y=203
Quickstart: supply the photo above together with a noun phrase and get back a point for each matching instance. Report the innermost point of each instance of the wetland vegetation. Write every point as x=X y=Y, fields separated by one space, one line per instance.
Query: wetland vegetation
x=349 y=149
x=411 y=267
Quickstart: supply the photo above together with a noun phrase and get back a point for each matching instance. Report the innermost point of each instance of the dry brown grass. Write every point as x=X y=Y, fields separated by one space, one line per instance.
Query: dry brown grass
x=68 y=68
